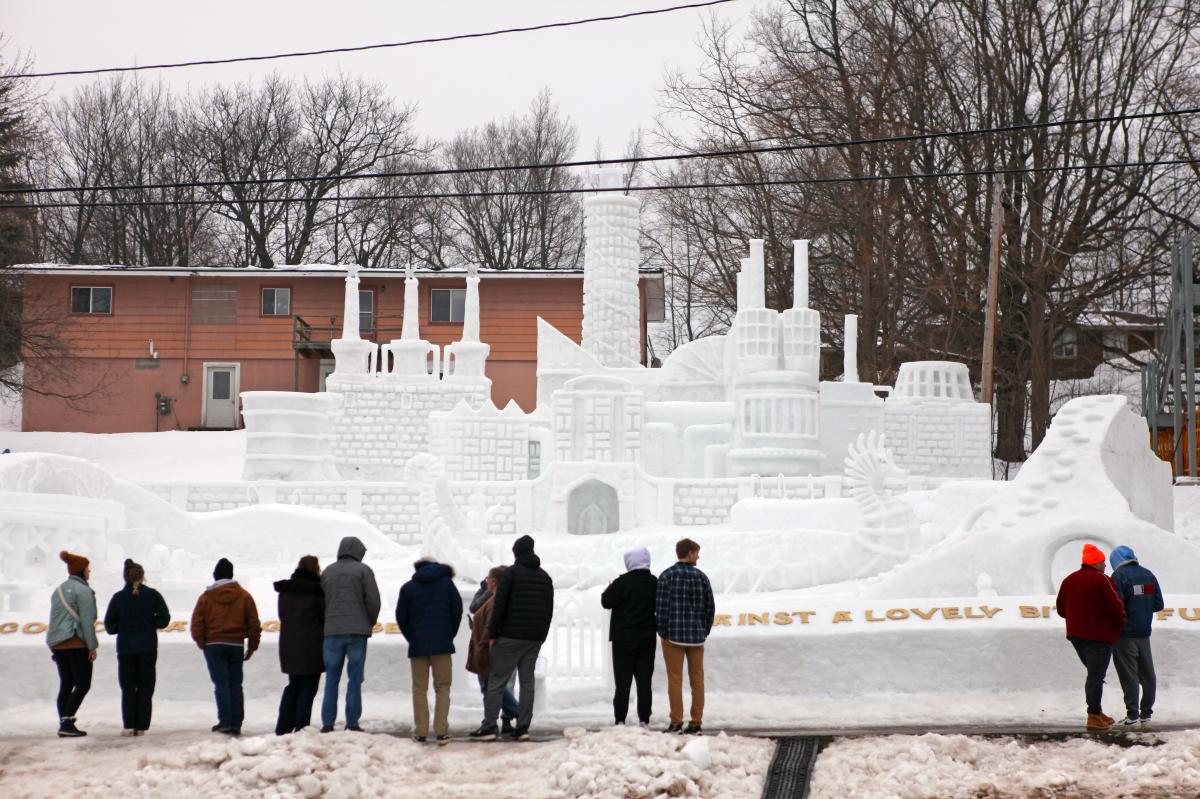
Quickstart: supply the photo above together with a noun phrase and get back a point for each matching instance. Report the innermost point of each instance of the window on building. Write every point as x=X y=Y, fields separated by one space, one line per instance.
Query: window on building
x=91 y=299
x=535 y=459
x=276 y=302
x=1115 y=341
x=1066 y=344
x=447 y=305
x=366 y=310
x=214 y=304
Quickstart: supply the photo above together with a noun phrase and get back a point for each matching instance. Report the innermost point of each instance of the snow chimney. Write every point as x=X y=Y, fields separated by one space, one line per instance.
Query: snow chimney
x=800 y=274
x=850 y=350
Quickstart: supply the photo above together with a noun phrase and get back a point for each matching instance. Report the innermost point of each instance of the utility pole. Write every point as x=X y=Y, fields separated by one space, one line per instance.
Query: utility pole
x=993 y=289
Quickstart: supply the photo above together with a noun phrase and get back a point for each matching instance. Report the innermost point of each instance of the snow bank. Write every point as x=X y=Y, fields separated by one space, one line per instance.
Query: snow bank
x=627 y=763
x=950 y=766
x=143 y=457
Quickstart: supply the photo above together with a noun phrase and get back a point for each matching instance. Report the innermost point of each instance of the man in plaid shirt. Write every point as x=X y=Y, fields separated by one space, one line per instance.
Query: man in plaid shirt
x=684 y=609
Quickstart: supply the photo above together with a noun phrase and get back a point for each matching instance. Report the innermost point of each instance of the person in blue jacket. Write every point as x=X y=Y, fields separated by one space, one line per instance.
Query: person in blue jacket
x=1139 y=590
x=429 y=612
x=135 y=615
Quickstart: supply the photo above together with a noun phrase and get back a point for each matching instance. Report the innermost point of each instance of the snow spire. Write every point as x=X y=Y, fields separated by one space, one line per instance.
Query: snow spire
x=410 y=326
x=800 y=273
x=350 y=331
x=850 y=350
x=756 y=276
x=470 y=330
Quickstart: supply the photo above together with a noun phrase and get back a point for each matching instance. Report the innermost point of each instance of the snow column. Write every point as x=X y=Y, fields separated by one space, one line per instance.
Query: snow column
x=410 y=354
x=350 y=352
x=611 y=304
x=466 y=359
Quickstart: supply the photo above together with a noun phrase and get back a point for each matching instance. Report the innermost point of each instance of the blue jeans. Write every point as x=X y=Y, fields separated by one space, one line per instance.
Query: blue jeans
x=508 y=705
x=225 y=669
x=350 y=650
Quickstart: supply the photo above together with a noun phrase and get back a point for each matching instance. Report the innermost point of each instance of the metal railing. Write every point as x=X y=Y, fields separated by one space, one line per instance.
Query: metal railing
x=308 y=335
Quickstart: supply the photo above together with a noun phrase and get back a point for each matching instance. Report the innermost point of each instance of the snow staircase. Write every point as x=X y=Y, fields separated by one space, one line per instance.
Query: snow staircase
x=791 y=768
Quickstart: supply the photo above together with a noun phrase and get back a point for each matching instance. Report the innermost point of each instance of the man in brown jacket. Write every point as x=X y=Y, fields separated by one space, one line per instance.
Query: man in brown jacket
x=224 y=618
x=479 y=655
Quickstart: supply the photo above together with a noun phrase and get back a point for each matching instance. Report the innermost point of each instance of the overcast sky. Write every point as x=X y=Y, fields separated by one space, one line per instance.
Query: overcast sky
x=605 y=76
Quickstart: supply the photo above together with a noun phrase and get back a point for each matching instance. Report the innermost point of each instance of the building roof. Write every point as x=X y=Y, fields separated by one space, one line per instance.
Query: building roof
x=297 y=270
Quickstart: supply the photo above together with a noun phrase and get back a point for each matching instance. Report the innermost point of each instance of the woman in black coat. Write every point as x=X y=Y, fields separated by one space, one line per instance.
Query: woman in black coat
x=135 y=615
x=301 y=638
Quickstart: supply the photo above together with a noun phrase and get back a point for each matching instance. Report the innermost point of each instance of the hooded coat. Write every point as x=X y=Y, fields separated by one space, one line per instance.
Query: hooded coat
x=301 y=623
x=1139 y=591
x=136 y=619
x=1088 y=600
x=524 y=601
x=351 y=594
x=631 y=598
x=429 y=611
x=226 y=614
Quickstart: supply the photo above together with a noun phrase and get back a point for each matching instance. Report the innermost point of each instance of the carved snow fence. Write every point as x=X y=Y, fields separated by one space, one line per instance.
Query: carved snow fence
x=577 y=653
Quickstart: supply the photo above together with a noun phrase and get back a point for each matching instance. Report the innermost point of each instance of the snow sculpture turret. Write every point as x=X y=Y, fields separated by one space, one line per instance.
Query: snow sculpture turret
x=412 y=356
x=849 y=408
x=611 y=304
x=351 y=353
x=466 y=358
x=775 y=363
x=934 y=423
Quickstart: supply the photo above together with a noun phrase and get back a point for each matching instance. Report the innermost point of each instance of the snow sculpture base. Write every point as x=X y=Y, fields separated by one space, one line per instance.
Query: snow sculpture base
x=353 y=355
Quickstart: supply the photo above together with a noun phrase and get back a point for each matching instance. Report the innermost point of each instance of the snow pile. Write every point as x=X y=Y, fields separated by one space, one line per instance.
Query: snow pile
x=634 y=763
x=629 y=763
x=914 y=767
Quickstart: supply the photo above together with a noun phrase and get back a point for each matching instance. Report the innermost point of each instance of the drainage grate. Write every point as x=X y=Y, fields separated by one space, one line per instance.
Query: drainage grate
x=791 y=768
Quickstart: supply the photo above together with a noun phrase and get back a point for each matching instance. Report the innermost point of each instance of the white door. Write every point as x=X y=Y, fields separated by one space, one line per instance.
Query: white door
x=327 y=367
x=220 y=395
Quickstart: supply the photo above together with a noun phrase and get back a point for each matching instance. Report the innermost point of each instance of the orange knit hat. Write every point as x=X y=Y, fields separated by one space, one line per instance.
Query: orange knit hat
x=1092 y=555
x=75 y=563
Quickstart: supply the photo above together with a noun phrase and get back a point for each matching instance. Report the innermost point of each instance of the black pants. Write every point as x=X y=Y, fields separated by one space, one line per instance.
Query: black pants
x=295 y=709
x=136 y=674
x=633 y=660
x=1095 y=656
x=74 y=680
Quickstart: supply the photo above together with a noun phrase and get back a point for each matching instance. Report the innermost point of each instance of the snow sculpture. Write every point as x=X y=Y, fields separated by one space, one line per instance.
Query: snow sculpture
x=611 y=305
x=935 y=425
x=849 y=408
x=1093 y=479
x=483 y=444
x=288 y=435
x=387 y=406
x=466 y=358
x=889 y=526
x=351 y=352
x=445 y=533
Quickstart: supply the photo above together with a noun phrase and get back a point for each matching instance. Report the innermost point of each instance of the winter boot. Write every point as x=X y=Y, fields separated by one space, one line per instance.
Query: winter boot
x=327 y=728
x=486 y=732
x=692 y=729
x=1098 y=722
x=67 y=728
x=1111 y=721
x=419 y=739
x=674 y=728
x=442 y=740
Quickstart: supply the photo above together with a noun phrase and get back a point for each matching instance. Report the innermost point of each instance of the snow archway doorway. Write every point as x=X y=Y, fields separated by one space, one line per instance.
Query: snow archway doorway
x=593 y=509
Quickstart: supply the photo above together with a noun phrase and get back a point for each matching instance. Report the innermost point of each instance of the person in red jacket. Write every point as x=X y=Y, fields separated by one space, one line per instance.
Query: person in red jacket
x=1095 y=616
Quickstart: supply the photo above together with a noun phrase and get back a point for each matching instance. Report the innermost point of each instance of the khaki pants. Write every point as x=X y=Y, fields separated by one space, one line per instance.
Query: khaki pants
x=674 y=656
x=442 y=672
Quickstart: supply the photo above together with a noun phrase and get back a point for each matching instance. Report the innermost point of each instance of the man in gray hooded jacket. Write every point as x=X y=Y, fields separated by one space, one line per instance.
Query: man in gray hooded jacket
x=351 y=611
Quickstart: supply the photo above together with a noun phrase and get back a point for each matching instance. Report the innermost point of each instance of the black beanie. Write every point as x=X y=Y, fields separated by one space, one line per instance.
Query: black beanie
x=523 y=545
x=224 y=570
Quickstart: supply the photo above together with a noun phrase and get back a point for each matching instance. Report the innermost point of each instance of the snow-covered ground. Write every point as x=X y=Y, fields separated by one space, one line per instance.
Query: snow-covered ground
x=629 y=763
x=952 y=766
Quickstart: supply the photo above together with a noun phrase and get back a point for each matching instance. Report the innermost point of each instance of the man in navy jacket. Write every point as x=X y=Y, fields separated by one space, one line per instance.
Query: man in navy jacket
x=1139 y=591
x=428 y=612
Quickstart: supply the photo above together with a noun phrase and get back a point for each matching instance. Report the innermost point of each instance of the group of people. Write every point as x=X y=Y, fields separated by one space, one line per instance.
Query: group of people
x=326 y=618
x=1109 y=619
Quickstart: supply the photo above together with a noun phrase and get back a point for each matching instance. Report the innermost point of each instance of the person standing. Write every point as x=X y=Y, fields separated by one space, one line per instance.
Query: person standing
x=301 y=643
x=522 y=609
x=1140 y=593
x=1095 y=616
x=225 y=618
x=479 y=654
x=351 y=612
x=71 y=636
x=429 y=611
x=135 y=614
x=631 y=598
x=684 y=611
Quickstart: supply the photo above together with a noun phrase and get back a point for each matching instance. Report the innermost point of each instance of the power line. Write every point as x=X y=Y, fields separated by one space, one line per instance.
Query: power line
x=646 y=159
x=365 y=47
x=666 y=187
